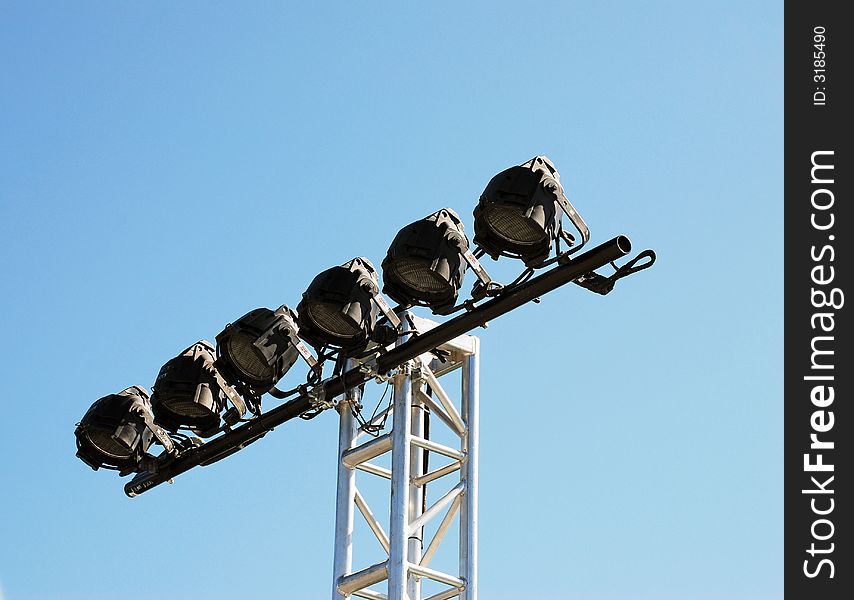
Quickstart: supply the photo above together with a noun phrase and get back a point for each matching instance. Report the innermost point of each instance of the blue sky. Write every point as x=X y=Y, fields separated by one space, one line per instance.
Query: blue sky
x=165 y=168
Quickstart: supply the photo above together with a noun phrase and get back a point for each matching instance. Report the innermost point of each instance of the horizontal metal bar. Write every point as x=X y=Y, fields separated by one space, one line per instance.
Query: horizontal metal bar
x=437 y=473
x=440 y=368
x=510 y=299
x=371 y=449
x=437 y=447
x=364 y=578
x=371 y=520
x=462 y=343
x=371 y=595
x=374 y=469
x=437 y=507
x=437 y=576
x=447 y=594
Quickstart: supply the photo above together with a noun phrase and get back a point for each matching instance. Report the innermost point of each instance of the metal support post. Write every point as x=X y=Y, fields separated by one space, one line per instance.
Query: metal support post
x=416 y=498
x=468 y=511
x=400 y=470
x=345 y=493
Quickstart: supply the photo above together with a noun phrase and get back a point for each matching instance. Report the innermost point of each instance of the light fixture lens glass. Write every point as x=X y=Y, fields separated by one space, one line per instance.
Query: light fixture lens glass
x=189 y=410
x=104 y=440
x=331 y=319
x=241 y=351
x=419 y=276
x=510 y=224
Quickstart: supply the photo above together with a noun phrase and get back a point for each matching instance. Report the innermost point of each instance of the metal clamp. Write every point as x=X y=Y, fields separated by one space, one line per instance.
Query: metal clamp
x=405 y=368
x=370 y=370
x=317 y=397
x=238 y=404
x=600 y=284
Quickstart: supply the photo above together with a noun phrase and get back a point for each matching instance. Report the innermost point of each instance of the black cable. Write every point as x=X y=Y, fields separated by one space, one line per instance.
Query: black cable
x=522 y=278
x=365 y=424
x=426 y=455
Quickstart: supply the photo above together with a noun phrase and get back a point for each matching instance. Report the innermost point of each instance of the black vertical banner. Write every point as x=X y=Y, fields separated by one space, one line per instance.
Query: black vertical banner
x=819 y=353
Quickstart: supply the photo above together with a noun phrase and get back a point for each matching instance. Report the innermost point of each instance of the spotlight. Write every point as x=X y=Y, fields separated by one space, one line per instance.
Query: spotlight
x=260 y=347
x=339 y=308
x=427 y=260
x=191 y=392
x=118 y=430
x=519 y=213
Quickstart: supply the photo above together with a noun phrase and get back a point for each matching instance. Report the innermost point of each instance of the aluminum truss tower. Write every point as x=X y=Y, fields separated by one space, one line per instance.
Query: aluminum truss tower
x=417 y=391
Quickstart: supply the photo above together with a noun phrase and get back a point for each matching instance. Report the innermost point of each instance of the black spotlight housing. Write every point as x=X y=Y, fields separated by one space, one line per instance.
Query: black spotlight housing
x=519 y=213
x=258 y=348
x=118 y=430
x=190 y=391
x=425 y=263
x=339 y=309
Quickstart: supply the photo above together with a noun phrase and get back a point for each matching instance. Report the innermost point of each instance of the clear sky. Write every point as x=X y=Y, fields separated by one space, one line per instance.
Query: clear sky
x=165 y=167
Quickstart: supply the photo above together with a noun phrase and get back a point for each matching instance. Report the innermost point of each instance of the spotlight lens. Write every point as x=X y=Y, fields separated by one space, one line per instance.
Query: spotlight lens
x=417 y=275
x=241 y=350
x=331 y=320
x=187 y=409
x=102 y=439
x=508 y=223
